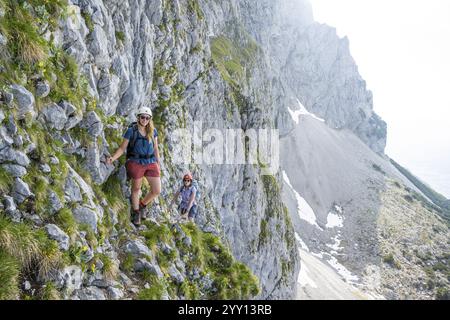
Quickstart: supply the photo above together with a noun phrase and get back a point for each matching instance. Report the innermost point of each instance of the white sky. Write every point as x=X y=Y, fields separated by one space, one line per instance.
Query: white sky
x=402 y=48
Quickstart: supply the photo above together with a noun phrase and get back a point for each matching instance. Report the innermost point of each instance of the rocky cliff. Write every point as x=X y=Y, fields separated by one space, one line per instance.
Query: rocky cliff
x=72 y=75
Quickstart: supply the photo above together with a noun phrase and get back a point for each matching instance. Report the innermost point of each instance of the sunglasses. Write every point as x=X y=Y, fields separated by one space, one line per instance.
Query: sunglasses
x=145 y=117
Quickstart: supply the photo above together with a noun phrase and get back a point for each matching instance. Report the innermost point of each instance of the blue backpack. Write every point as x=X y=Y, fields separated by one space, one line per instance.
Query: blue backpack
x=130 y=148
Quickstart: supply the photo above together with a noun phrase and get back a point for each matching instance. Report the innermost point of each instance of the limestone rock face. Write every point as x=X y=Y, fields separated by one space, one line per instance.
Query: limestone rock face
x=237 y=64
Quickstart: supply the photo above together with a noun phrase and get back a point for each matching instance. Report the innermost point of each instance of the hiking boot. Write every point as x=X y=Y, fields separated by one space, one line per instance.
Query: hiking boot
x=136 y=217
x=143 y=211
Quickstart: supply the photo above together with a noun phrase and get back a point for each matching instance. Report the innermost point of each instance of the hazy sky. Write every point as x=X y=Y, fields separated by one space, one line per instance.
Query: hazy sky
x=402 y=48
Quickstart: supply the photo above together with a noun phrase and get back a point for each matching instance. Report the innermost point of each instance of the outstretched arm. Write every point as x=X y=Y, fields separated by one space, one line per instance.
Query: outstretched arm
x=119 y=152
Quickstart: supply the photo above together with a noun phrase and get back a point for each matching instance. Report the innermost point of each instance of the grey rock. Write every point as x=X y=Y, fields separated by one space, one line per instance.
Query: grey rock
x=166 y=92
x=11 y=209
x=8 y=97
x=103 y=283
x=166 y=248
x=125 y=280
x=69 y=108
x=42 y=89
x=11 y=125
x=90 y=293
x=5 y=139
x=54 y=160
x=15 y=215
x=33 y=218
x=27 y=285
x=115 y=293
x=30 y=148
x=175 y=274
x=15 y=170
x=55 y=116
x=3 y=40
x=143 y=264
x=206 y=283
x=55 y=203
x=55 y=233
x=15 y=156
x=2 y=116
x=93 y=123
x=18 y=141
x=9 y=203
x=72 y=190
x=187 y=241
x=21 y=190
x=134 y=290
x=98 y=169
x=86 y=216
x=98 y=45
x=137 y=248
x=72 y=121
x=45 y=168
x=24 y=100
x=72 y=277
x=99 y=265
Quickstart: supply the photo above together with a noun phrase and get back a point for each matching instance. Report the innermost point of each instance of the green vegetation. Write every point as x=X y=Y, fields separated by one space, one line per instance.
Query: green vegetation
x=233 y=280
x=49 y=292
x=271 y=190
x=204 y=253
x=109 y=268
x=9 y=275
x=6 y=180
x=88 y=20
x=120 y=36
x=232 y=59
x=156 y=289
x=194 y=8
x=127 y=263
x=23 y=249
x=66 y=221
x=442 y=294
x=389 y=259
x=438 y=199
x=264 y=233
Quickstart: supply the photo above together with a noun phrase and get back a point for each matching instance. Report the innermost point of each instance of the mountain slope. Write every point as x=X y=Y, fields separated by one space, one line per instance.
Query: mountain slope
x=358 y=214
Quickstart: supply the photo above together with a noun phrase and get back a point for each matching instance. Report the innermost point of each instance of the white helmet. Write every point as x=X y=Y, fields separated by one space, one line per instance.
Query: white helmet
x=144 y=110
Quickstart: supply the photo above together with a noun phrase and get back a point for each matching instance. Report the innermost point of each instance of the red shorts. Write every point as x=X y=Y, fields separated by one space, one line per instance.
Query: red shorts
x=137 y=171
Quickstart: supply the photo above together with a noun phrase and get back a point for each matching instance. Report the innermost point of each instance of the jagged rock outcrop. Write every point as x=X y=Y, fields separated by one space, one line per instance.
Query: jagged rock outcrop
x=107 y=59
x=236 y=64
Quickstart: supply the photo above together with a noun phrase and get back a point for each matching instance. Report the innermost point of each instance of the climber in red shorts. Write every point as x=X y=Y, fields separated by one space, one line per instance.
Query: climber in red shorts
x=141 y=145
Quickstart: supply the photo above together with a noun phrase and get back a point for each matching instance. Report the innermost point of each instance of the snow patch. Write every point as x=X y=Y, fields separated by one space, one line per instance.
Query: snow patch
x=334 y=220
x=302 y=243
x=303 y=208
x=303 y=277
x=343 y=271
x=336 y=246
x=295 y=114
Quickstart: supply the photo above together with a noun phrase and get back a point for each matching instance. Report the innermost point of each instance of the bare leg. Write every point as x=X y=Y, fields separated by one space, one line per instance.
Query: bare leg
x=135 y=189
x=155 y=185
